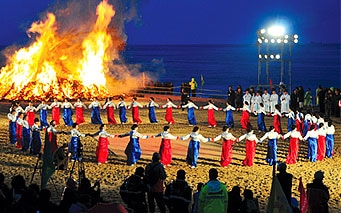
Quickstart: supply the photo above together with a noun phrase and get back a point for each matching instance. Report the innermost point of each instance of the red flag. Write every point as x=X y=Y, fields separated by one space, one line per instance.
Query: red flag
x=303 y=197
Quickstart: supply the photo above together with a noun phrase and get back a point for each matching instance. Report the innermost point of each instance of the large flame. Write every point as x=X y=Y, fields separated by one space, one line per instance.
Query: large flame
x=63 y=64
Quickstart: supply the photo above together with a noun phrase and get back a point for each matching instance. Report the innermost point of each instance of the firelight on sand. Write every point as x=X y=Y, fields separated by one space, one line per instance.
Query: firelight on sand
x=65 y=64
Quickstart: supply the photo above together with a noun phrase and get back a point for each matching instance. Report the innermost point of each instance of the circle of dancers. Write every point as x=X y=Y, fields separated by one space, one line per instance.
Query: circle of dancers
x=25 y=128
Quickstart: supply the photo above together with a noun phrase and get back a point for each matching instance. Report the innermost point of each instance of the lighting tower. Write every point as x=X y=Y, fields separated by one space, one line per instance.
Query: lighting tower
x=274 y=47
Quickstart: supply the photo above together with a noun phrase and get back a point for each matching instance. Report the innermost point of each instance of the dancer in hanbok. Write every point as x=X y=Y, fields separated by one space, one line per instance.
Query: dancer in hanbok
x=67 y=112
x=79 y=106
x=190 y=112
x=277 y=120
x=55 y=106
x=75 y=144
x=330 y=140
x=134 y=106
x=18 y=107
x=110 y=107
x=95 y=113
x=133 y=149
x=272 y=136
x=102 y=150
x=295 y=137
x=52 y=132
x=291 y=119
x=29 y=110
x=12 y=126
x=306 y=124
x=165 y=146
x=299 y=122
x=311 y=137
x=260 y=118
x=36 y=139
x=226 y=149
x=321 y=142
x=194 y=146
x=122 y=110
x=285 y=100
x=266 y=100
x=210 y=113
x=229 y=116
x=245 y=118
x=250 y=147
x=151 y=110
x=19 y=130
x=169 y=110
x=273 y=100
x=26 y=134
x=43 y=107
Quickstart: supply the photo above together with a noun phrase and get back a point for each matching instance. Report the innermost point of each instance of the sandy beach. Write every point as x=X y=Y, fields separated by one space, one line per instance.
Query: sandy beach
x=257 y=178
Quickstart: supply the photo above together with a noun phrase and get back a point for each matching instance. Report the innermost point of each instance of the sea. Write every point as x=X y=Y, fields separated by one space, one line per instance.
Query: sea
x=215 y=67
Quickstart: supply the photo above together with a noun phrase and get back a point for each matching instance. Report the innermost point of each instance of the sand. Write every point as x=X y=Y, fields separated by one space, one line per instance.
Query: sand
x=257 y=178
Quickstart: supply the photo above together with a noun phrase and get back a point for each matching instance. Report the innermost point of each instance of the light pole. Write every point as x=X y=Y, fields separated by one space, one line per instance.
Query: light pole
x=273 y=44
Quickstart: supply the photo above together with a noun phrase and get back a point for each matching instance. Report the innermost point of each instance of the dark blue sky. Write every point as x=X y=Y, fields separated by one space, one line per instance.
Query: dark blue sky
x=199 y=21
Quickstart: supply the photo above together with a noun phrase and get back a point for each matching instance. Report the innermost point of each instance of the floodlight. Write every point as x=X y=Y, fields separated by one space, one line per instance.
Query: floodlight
x=266 y=40
x=272 y=40
x=260 y=40
x=295 y=41
x=285 y=40
x=279 y=40
x=295 y=36
x=272 y=56
x=265 y=56
x=260 y=56
x=262 y=31
x=278 y=56
x=276 y=31
x=286 y=36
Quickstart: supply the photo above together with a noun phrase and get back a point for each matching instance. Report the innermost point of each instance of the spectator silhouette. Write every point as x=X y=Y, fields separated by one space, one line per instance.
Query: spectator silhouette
x=44 y=203
x=155 y=176
x=285 y=179
x=4 y=194
x=178 y=194
x=133 y=191
x=196 y=198
x=249 y=204
x=94 y=191
x=318 y=194
x=235 y=200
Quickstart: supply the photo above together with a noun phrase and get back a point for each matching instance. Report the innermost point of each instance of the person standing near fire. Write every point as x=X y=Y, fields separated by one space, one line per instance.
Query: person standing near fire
x=55 y=106
x=95 y=114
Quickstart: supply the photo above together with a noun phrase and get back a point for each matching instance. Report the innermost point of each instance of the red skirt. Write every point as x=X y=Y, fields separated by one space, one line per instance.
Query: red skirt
x=19 y=136
x=245 y=120
x=169 y=115
x=165 y=152
x=53 y=141
x=299 y=126
x=211 y=119
x=110 y=115
x=102 y=150
x=321 y=147
x=277 y=124
x=250 y=149
x=56 y=115
x=30 y=118
x=293 y=151
x=136 y=115
x=226 y=153
x=79 y=115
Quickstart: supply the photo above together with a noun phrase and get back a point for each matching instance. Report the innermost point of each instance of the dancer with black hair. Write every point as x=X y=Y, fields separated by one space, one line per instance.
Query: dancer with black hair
x=226 y=149
x=245 y=118
x=165 y=146
x=272 y=136
x=67 y=112
x=210 y=113
x=133 y=149
x=194 y=146
x=277 y=119
x=190 y=112
x=169 y=110
x=36 y=139
x=229 y=116
x=250 y=147
x=79 y=106
x=110 y=107
x=295 y=137
x=134 y=106
x=330 y=140
x=75 y=143
x=151 y=110
x=95 y=113
x=12 y=126
x=122 y=110
x=102 y=150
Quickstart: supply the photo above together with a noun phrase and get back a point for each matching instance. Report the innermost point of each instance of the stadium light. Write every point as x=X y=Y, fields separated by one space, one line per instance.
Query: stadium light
x=276 y=31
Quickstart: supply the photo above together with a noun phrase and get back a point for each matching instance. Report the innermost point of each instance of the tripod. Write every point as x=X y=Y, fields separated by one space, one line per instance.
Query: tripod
x=79 y=159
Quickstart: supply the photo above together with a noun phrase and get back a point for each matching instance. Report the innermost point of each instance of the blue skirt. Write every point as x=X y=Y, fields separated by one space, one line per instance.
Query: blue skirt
x=305 y=128
x=290 y=123
x=35 y=143
x=193 y=153
x=67 y=116
x=152 y=116
x=312 y=149
x=26 y=138
x=191 y=116
x=96 y=116
x=271 y=156
x=229 y=119
x=73 y=148
x=261 y=123
x=43 y=118
x=123 y=116
x=12 y=128
x=329 y=145
x=133 y=151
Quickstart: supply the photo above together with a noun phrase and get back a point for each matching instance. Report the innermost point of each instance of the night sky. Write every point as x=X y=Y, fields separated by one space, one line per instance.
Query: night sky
x=198 y=21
